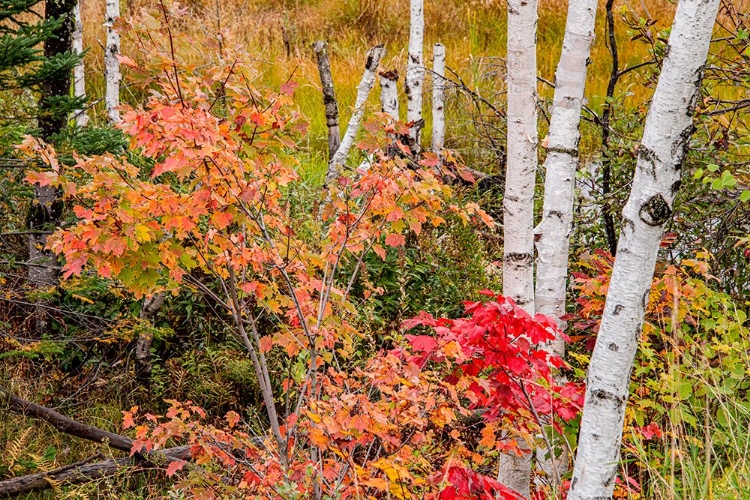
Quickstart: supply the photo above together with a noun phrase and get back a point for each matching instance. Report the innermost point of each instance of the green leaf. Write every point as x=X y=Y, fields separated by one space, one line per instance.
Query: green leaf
x=745 y=196
x=713 y=167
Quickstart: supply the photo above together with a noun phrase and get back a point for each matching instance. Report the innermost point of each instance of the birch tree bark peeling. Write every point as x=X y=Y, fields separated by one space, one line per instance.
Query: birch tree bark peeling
x=665 y=141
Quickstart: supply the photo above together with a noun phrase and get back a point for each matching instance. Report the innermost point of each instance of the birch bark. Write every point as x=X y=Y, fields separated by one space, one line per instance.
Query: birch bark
x=553 y=233
x=79 y=82
x=415 y=73
x=389 y=93
x=329 y=97
x=665 y=141
x=518 y=202
x=438 y=98
x=111 y=63
x=363 y=91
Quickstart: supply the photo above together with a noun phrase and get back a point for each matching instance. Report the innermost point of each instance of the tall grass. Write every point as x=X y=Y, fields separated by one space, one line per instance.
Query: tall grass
x=278 y=33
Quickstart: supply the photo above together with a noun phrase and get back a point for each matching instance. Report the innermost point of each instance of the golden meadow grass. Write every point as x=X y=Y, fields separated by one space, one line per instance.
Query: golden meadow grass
x=279 y=34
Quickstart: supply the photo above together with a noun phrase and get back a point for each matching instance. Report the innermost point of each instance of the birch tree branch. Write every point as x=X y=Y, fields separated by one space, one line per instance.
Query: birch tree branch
x=62 y=423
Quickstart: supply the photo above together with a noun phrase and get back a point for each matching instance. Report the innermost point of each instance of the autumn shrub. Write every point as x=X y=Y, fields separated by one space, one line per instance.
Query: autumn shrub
x=209 y=204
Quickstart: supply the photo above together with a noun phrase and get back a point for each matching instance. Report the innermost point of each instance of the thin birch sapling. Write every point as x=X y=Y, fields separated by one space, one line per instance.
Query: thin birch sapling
x=518 y=201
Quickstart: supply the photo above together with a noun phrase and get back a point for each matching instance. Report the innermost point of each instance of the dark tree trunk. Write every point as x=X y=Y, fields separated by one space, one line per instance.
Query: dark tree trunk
x=52 y=120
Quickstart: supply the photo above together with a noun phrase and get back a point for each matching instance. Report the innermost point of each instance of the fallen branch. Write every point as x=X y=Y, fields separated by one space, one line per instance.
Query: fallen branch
x=84 y=471
x=63 y=423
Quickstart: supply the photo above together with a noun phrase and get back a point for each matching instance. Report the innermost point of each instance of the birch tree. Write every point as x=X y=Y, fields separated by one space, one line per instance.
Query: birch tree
x=79 y=82
x=438 y=98
x=363 y=91
x=518 y=202
x=389 y=93
x=665 y=141
x=415 y=73
x=553 y=234
x=111 y=63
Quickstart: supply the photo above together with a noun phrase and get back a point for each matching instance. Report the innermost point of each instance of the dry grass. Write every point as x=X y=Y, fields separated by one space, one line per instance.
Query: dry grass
x=279 y=34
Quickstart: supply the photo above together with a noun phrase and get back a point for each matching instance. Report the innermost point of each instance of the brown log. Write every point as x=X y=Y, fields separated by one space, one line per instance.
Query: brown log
x=84 y=471
x=63 y=423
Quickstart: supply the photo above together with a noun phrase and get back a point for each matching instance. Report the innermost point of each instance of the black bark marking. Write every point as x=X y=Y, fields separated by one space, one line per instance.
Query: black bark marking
x=649 y=158
x=518 y=258
x=618 y=309
x=656 y=211
x=567 y=151
x=676 y=186
x=602 y=395
x=613 y=347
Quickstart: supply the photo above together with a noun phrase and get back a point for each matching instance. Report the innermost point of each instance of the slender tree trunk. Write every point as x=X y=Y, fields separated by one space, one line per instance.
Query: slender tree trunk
x=111 y=63
x=438 y=98
x=46 y=209
x=518 y=202
x=389 y=93
x=329 y=97
x=51 y=120
x=363 y=91
x=415 y=74
x=665 y=141
x=151 y=306
x=606 y=165
x=553 y=234
x=79 y=82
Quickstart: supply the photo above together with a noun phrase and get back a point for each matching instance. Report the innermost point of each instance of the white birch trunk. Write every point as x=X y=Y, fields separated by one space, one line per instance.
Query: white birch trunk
x=363 y=91
x=329 y=97
x=438 y=98
x=518 y=202
x=111 y=63
x=657 y=175
x=553 y=234
x=389 y=93
x=415 y=73
x=79 y=83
